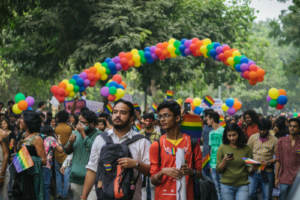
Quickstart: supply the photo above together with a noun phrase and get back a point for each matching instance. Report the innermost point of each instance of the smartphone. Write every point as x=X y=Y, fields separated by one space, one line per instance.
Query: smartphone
x=230 y=155
x=187 y=107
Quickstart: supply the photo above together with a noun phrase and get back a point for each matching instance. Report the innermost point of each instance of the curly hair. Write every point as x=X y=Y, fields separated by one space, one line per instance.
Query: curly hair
x=253 y=115
x=33 y=121
x=90 y=116
x=241 y=142
x=172 y=105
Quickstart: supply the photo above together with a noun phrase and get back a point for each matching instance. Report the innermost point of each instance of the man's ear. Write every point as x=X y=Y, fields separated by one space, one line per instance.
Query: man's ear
x=178 y=118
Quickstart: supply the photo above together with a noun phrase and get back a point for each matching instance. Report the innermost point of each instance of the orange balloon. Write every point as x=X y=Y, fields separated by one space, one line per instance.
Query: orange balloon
x=260 y=72
x=22 y=105
x=282 y=92
x=124 y=84
x=237 y=105
x=62 y=85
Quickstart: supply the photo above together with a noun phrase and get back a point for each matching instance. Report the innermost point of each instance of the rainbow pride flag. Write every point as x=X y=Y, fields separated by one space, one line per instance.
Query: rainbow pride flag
x=208 y=100
x=22 y=160
x=136 y=106
x=192 y=125
x=107 y=167
x=250 y=161
x=205 y=160
x=138 y=126
x=154 y=107
x=108 y=108
x=170 y=94
x=222 y=121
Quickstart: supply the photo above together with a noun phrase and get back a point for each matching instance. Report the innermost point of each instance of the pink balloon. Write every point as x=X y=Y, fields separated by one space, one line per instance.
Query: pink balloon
x=30 y=101
x=86 y=82
x=268 y=98
x=104 y=91
x=231 y=111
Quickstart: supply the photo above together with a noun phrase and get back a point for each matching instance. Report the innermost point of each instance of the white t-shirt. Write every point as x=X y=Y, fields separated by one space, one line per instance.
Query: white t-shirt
x=139 y=151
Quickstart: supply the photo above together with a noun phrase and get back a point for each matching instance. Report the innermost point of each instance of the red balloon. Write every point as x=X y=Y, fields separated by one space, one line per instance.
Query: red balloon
x=195 y=40
x=225 y=48
x=124 y=61
x=246 y=74
x=227 y=53
x=188 y=100
x=221 y=57
x=117 y=78
x=160 y=45
x=158 y=52
x=193 y=47
x=122 y=54
x=54 y=89
x=279 y=107
x=253 y=68
x=111 y=97
x=252 y=82
x=93 y=83
x=61 y=92
x=91 y=76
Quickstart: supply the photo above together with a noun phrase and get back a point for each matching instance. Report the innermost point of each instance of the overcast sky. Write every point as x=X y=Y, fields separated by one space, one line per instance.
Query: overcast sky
x=268 y=8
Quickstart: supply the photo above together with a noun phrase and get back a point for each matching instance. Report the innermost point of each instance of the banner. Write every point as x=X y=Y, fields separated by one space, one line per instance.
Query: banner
x=79 y=105
x=94 y=106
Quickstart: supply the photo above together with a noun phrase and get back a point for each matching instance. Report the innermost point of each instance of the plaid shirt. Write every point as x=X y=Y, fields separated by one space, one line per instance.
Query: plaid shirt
x=153 y=137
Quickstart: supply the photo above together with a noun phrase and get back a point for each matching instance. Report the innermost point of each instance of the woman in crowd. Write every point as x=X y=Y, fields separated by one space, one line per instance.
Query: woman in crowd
x=28 y=184
x=280 y=128
x=234 y=172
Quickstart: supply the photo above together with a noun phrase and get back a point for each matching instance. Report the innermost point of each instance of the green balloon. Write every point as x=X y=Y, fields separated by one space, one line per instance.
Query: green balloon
x=177 y=51
x=72 y=81
x=237 y=59
x=142 y=55
x=104 y=64
x=273 y=103
x=76 y=88
x=112 y=90
x=295 y=114
x=210 y=47
x=107 y=70
x=177 y=44
x=19 y=97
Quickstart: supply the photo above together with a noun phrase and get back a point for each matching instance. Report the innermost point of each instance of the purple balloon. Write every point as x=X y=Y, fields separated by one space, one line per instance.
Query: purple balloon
x=86 y=82
x=152 y=49
x=244 y=67
x=268 y=98
x=187 y=51
x=30 y=101
x=118 y=66
x=219 y=49
x=154 y=56
x=83 y=75
x=104 y=91
x=231 y=111
x=187 y=43
x=116 y=59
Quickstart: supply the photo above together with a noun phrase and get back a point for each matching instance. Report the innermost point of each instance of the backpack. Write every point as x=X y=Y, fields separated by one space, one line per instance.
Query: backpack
x=196 y=182
x=113 y=182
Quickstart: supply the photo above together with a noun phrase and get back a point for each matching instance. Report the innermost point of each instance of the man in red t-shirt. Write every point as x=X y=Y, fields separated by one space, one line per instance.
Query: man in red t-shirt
x=163 y=170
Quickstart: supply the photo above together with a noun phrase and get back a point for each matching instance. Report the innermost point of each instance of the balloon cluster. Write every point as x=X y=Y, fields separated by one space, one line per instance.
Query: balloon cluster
x=231 y=106
x=161 y=51
x=22 y=103
x=114 y=88
x=195 y=105
x=277 y=98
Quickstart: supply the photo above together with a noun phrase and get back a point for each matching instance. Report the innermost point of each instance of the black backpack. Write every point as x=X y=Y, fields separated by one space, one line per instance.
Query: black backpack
x=112 y=182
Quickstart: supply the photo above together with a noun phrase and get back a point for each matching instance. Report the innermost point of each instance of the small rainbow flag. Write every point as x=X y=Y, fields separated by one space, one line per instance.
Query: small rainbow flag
x=170 y=94
x=138 y=126
x=107 y=167
x=173 y=151
x=205 y=160
x=154 y=107
x=136 y=106
x=22 y=160
x=222 y=121
x=298 y=151
x=192 y=125
x=108 y=108
x=254 y=162
x=208 y=100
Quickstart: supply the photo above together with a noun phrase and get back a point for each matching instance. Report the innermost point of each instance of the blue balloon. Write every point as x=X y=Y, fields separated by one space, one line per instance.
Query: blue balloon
x=75 y=77
x=147 y=55
x=147 y=48
x=198 y=110
x=113 y=84
x=282 y=100
x=183 y=40
x=213 y=53
x=79 y=81
x=244 y=59
x=107 y=60
x=29 y=108
x=229 y=102
x=238 y=67
x=81 y=88
x=216 y=44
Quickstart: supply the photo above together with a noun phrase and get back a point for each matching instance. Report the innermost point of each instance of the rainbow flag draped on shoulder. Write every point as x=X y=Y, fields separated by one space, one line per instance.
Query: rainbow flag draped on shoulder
x=22 y=160
x=192 y=125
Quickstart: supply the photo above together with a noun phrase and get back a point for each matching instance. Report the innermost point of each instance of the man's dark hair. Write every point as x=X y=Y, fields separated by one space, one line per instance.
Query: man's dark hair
x=76 y=118
x=265 y=124
x=148 y=116
x=102 y=121
x=62 y=116
x=47 y=130
x=241 y=142
x=280 y=123
x=215 y=116
x=172 y=105
x=297 y=120
x=129 y=104
x=106 y=116
x=32 y=120
x=10 y=102
x=41 y=103
x=90 y=116
x=253 y=115
x=206 y=111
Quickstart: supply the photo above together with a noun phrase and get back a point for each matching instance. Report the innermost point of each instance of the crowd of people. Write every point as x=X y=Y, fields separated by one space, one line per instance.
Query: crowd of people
x=129 y=155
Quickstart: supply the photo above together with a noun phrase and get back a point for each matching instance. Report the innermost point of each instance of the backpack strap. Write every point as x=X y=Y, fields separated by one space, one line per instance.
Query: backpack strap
x=159 y=157
x=194 y=142
x=133 y=139
x=106 y=138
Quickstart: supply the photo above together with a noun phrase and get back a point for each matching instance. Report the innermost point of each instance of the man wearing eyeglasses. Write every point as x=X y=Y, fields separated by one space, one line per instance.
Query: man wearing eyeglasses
x=164 y=171
x=122 y=118
x=288 y=158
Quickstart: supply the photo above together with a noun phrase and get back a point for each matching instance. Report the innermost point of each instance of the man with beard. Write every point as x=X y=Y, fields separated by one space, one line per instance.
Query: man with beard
x=80 y=144
x=288 y=158
x=122 y=119
x=263 y=146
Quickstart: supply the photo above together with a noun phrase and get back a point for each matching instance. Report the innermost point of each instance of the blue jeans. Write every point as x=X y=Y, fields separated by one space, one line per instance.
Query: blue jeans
x=258 y=180
x=234 y=193
x=47 y=182
x=216 y=179
x=284 y=191
x=62 y=180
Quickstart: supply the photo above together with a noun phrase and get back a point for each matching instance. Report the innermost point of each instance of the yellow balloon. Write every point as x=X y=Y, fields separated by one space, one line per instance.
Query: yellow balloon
x=136 y=58
x=173 y=55
x=230 y=61
x=70 y=87
x=72 y=94
x=179 y=101
x=66 y=81
x=203 y=50
x=102 y=70
x=206 y=41
x=16 y=109
x=273 y=93
x=225 y=107
x=97 y=64
x=171 y=41
x=120 y=93
x=134 y=51
x=236 y=53
x=197 y=102
x=103 y=77
x=137 y=64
